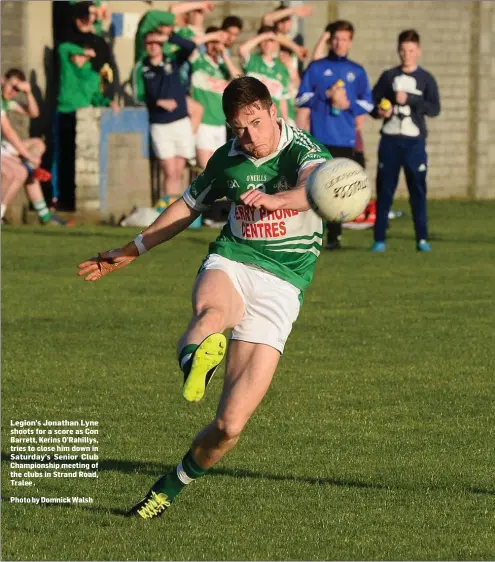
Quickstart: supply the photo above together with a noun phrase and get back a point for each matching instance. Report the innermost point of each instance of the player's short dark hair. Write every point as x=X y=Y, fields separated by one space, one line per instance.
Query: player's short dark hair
x=340 y=25
x=244 y=91
x=212 y=29
x=15 y=73
x=80 y=10
x=408 y=36
x=281 y=6
x=232 y=21
x=265 y=29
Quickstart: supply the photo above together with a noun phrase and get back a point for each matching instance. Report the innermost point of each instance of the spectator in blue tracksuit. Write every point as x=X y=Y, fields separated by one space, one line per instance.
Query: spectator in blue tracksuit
x=412 y=93
x=333 y=92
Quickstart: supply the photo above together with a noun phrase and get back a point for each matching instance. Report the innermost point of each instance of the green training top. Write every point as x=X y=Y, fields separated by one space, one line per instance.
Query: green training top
x=79 y=87
x=208 y=81
x=284 y=242
x=275 y=76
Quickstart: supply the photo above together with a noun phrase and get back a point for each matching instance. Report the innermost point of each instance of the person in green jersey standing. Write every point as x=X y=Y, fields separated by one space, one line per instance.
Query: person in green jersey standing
x=267 y=67
x=252 y=279
x=210 y=76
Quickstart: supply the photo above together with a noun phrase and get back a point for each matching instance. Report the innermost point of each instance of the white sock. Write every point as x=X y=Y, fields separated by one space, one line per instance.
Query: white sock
x=185 y=359
x=183 y=477
x=3 y=209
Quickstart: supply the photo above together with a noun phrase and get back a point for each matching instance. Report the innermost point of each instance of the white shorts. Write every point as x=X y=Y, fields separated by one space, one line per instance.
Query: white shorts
x=173 y=139
x=211 y=137
x=8 y=149
x=271 y=305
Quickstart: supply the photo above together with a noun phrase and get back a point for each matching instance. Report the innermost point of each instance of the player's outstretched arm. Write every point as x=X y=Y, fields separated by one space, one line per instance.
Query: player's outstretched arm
x=293 y=199
x=171 y=222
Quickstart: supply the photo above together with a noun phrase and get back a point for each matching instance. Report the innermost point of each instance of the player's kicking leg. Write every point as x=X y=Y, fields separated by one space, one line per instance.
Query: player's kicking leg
x=217 y=305
x=250 y=369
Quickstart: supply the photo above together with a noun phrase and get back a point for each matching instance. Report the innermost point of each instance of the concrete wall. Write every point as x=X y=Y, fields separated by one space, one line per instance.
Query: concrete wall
x=482 y=139
x=13 y=38
x=378 y=25
x=112 y=161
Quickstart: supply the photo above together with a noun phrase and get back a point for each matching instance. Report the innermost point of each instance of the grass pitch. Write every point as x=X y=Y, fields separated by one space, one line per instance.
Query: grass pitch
x=375 y=440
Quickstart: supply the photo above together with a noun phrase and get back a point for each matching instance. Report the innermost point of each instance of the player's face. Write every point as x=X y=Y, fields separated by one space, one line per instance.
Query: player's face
x=10 y=87
x=166 y=29
x=284 y=57
x=268 y=47
x=409 y=53
x=153 y=46
x=84 y=24
x=93 y=14
x=213 y=49
x=196 y=18
x=341 y=43
x=284 y=26
x=232 y=35
x=256 y=128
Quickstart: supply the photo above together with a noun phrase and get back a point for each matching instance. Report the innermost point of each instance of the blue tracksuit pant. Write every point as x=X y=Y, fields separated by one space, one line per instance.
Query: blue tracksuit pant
x=394 y=153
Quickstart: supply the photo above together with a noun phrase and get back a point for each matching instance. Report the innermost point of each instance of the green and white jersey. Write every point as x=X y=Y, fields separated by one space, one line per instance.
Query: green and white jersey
x=10 y=105
x=208 y=81
x=274 y=76
x=284 y=242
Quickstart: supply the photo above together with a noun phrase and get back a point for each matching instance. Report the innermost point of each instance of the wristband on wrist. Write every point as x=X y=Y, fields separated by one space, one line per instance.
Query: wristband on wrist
x=138 y=241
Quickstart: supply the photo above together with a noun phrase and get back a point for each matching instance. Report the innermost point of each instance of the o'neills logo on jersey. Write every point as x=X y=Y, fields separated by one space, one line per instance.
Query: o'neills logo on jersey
x=253 y=223
x=257 y=177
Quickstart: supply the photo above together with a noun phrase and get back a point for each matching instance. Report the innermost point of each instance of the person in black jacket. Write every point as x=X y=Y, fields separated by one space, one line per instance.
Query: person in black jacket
x=403 y=96
x=74 y=24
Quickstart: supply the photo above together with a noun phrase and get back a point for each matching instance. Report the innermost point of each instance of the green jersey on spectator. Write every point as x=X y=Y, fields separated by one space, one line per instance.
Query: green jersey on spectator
x=79 y=86
x=275 y=76
x=208 y=81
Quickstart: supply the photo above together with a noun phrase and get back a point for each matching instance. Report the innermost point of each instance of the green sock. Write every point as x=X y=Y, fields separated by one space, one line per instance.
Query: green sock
x=42 y=210
x=186 y=357
x=177 y=478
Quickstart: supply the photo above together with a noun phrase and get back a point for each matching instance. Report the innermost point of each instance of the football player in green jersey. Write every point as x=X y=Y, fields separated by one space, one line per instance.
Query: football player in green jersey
x=252 y=279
